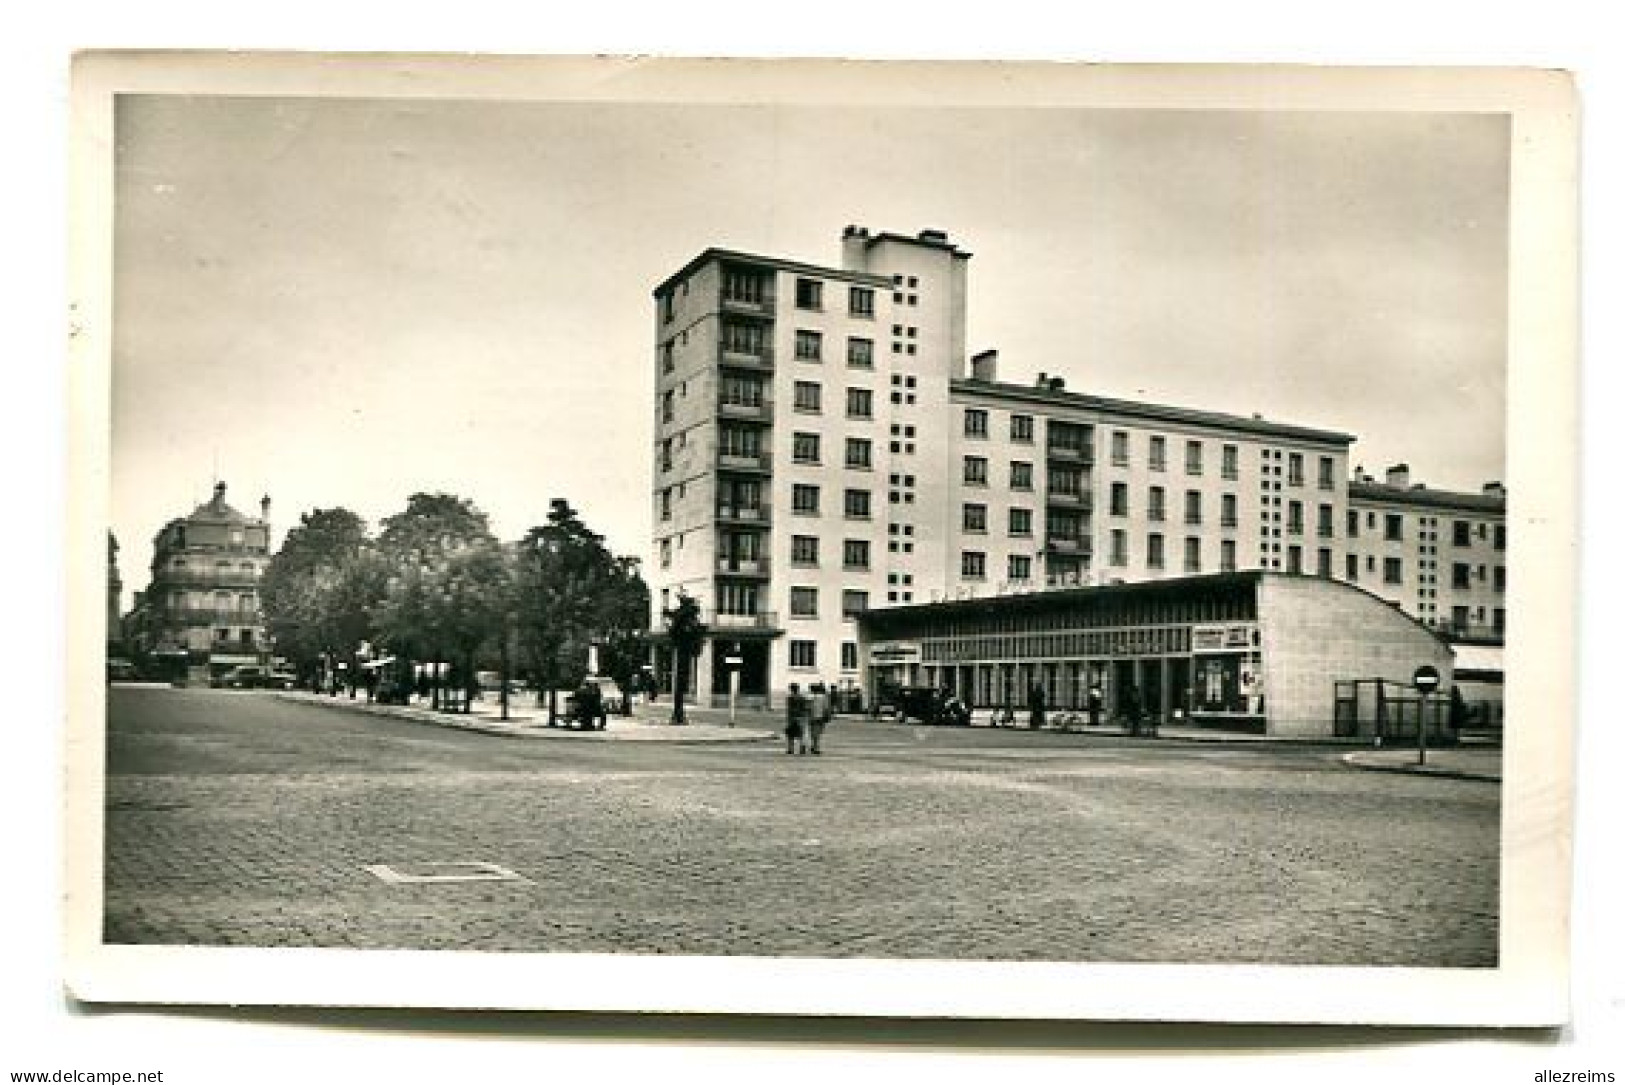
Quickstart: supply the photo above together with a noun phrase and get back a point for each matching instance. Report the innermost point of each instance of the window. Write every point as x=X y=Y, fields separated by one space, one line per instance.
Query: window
x=741 y=441
x=804 y=653
x=1119 y=547
x=1500 y=621
x=666 y=308
x=809 y=346
x=1461 y=533
x=1227 y=510
x=860 y=403
x=1461 y=617
x=1354 y=524
x=1326 y=479
x=803 y=550
x=668 y=406
x=1227 y=555
x=1119 y=448
x=975 y=471
x=973 y=565
x=1323 y=562
x=739 y=337
x=809 y=397
x=668 y=357
x=849 y=655
x=1294 y=559
x=1294 y=469
x=855 y=554
x=1500 y=536
x=1021 y=428
x=1193 y=506
x=861 y=301
x=804 y=499
x=1193 y=457
x=1066 y=480
x=804 y=602
x=1500 y=578
x=1231 y=467
x=1294 y=517
x=856 y=504
x=742 y=391
x=860 y=353
x=1323 y=522
x=1119 y=499
x=853 y=603
x=1156 y=508
x=975 y=423
x=809 y=294
x=743 y=286
x=1393 y=528
x=1021 y=475
x=1393 y=571
x=804 y=447
x=1159 y=454
x=665 y=504
x=1021 y=567
x=1021 y=523
x=1153 y=551
x=1351 y=571
x=1461 y=575
x=859 y=453
x=1193 y=554
x=975 y=518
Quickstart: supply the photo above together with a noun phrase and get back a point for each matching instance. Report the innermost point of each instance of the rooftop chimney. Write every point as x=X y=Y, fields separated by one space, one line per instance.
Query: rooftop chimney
x=855 y=248
x=1399 y=475
x=1043 y=380
x=934 y=237
x=1494 y=489
x=985 y=366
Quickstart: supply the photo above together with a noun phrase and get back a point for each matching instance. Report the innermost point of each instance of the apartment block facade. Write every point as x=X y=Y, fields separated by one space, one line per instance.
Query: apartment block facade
x=824 y=446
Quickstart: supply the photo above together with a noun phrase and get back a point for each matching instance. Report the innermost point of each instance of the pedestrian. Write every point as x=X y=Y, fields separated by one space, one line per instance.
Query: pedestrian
x=797 y=713
x=1131 y=708
x=1035 y=704
x=1095 y=701
x=423 y=686
x=822 y=710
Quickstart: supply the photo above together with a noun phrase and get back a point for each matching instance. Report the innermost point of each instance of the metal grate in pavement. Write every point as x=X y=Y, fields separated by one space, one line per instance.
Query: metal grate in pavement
x=430 y=873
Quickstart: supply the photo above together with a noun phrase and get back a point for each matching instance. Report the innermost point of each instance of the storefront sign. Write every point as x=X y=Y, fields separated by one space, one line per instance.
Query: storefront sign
x=1222 y=638
x=881 y=654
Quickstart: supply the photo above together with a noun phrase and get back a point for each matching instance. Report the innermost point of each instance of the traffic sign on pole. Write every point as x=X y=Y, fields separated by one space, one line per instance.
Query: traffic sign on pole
x=1426 y=680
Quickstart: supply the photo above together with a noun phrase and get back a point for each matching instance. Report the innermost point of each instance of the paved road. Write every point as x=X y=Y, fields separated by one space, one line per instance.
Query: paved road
x=239 y=819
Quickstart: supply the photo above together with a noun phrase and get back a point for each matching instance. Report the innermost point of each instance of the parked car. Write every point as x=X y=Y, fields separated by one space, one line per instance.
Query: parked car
x=930 y=705
x=121 y=670
x=253 y=677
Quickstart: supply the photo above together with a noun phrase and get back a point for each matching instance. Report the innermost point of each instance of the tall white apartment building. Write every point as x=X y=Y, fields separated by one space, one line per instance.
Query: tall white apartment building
x=1440 y=555
x=823 y=446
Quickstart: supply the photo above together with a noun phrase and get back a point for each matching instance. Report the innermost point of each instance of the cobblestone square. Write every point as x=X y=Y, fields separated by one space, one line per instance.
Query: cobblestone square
x=242 y=819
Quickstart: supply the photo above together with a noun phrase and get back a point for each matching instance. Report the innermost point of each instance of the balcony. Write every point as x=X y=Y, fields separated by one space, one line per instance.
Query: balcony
x=766 y=621
x=760 y=463
x=1069 y=544
x=1065 y=453
x=744 y=514
x=1071 y=499
x=760 y=411
x=755 y=568
x=760 y=304
x=207 y=578
x=757 y=360
x=209 y=616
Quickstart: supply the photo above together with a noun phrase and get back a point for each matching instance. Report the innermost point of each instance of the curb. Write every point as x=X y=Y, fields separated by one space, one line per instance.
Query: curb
x=525 y=728
x=1354 y=761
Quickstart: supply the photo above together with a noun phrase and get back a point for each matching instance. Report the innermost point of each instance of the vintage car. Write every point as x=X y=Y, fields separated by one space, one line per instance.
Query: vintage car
x=929 y=705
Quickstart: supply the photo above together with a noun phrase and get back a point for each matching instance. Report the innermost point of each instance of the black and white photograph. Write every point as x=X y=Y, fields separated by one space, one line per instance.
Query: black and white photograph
x=804 y=537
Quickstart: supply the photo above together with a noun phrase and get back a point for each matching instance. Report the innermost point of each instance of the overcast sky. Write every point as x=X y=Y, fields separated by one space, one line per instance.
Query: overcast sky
x=340 y=302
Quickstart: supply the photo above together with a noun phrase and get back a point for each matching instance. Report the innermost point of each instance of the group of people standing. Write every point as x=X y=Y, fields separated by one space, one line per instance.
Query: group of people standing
x=806 y=716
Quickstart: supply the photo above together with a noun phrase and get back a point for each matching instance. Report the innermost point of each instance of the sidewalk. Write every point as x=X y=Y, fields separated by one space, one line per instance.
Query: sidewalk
x=1454 y=762
x=525 y=720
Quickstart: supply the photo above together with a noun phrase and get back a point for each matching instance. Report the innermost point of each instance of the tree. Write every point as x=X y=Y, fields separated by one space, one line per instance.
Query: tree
x=320 y=590
x=445 y=584
x=687 y=635
x=570 y=593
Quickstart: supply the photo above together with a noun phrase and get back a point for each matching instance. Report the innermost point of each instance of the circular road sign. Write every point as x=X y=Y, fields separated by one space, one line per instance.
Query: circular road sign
x=1426 y=678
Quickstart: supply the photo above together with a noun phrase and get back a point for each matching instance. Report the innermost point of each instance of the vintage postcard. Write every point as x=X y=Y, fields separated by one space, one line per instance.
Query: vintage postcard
x=980 y=540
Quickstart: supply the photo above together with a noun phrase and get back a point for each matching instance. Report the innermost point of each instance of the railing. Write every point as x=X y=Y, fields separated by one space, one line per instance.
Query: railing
x=762 y=410
x=1472 y=630
x=766 y=619
x=731 y=566
x=734 y=461
x=760 y=359
x=204 y=615
x=1083 y=454
x=207 y=578
x=746 y=514
x=1076 y=499
x=761 y=305
x=1068 y=544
